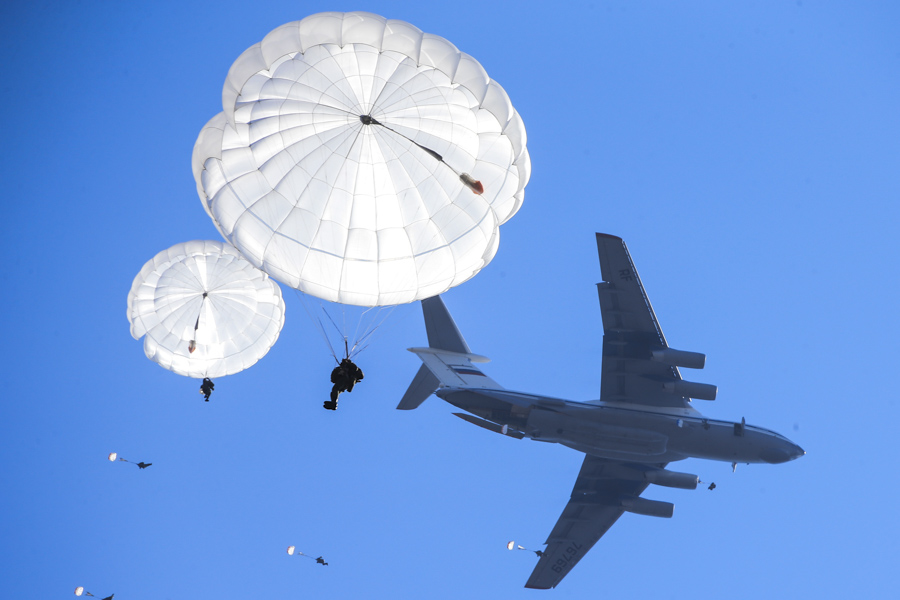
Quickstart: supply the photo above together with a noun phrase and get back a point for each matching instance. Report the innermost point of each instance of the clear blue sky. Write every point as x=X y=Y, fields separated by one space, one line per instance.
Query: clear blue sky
x=747 y=151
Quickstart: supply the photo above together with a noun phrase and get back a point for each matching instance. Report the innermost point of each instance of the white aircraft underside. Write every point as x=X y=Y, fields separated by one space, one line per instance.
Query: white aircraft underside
x=643 y=420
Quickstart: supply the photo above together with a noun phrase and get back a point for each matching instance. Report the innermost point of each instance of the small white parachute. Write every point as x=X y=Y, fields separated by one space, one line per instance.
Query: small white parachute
x=204 y=310
x=112 y=458
x=80 y=590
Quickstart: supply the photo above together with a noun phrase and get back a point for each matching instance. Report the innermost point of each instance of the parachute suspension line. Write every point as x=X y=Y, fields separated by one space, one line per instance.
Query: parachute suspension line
x=339 y=330
x=469 y=181
x=357 y=339
x=362 y=342
x=319 y=323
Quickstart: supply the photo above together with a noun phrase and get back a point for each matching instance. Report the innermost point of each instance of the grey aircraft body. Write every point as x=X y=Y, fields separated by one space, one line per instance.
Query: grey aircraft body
x=643 y=420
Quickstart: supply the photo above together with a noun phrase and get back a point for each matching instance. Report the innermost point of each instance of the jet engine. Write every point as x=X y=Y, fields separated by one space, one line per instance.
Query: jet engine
x=632 y=504
x=654 y=475
x=673 y=479
x=679 y=358
x=643 y=506
x=690 y=389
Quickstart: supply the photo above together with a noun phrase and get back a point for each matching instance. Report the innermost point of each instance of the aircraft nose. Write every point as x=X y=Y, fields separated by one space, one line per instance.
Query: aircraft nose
x=797 y=452
x=784 y=453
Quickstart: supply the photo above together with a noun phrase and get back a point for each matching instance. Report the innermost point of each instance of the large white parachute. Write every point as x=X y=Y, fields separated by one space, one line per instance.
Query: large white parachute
x=204 y=309
x=361 y=160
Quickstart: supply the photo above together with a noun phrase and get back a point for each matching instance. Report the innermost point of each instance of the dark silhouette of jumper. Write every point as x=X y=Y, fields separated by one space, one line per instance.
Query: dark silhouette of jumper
x=344 y=377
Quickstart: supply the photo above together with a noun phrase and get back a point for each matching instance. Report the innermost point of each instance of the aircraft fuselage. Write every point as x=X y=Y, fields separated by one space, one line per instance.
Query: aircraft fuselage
x=624 y=432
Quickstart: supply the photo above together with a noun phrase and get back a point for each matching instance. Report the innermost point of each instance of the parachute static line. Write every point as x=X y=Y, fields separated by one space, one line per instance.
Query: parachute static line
x=469 y=181
x=192 y=345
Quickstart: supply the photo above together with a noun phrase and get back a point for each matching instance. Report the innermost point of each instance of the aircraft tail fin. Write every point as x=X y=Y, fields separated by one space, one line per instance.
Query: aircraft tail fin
x=447 y=360
x=443 y=334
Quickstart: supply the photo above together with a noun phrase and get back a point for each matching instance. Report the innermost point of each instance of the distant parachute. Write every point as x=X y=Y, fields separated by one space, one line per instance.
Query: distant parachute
x=361 y=160
x=514 y=546
x=204 y=310
x=80 y=590
x=292 y=551
x=140 y=465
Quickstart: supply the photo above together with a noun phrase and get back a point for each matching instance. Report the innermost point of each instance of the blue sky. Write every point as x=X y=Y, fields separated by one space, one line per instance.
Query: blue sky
x=747 y=152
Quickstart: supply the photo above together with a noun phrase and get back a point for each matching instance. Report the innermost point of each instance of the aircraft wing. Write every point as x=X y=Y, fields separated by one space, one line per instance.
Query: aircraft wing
x=595 y=505
x=631 y=335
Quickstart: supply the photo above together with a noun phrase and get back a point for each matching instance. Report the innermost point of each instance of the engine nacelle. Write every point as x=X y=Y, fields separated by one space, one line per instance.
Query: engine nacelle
x=679 y=358
x=672 y=479
x=632 y=504
x=643 y=506
x=654 y=475
x=691 y=389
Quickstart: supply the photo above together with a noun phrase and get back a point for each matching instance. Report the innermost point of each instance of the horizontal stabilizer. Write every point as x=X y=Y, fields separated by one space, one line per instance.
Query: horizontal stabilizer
x=455 y=370
x=422 y=386
x=447 y=362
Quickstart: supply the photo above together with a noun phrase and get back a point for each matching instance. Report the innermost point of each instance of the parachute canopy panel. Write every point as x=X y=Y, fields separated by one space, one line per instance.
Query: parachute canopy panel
x=361 y=160
x=204 y=310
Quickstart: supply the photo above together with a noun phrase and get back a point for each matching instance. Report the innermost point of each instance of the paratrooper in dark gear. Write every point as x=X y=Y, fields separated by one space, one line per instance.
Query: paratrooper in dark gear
x=206 y=388
x=344 y=377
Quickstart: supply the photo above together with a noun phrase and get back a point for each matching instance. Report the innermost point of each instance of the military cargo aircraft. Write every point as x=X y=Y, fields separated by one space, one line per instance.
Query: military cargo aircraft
x=643 y=420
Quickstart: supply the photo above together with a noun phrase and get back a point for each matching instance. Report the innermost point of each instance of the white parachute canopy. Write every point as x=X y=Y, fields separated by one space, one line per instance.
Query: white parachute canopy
x=79 y=590
x=290 y=550
x=204 y=310
x=361 y=160
x=112 y=456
